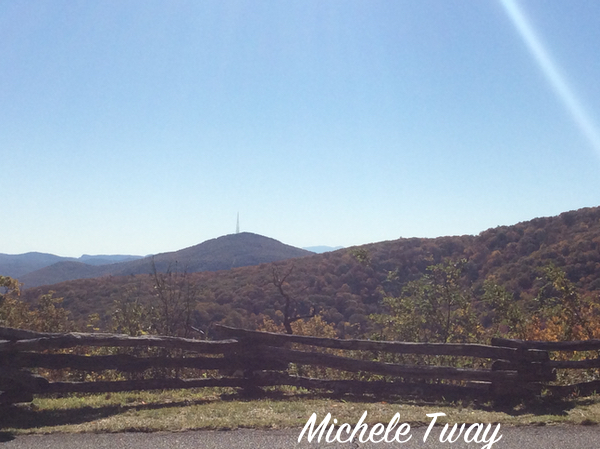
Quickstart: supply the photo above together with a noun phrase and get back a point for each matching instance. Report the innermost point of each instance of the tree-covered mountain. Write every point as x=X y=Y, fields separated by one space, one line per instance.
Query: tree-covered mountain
x=223 y=253
x=347 y=285
x=18 y=265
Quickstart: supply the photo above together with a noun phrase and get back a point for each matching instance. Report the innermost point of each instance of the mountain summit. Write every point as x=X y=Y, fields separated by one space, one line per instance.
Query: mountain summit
x=222 y=253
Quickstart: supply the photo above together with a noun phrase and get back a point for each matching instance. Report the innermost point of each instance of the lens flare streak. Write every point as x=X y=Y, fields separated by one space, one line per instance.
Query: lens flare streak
x=552 y=73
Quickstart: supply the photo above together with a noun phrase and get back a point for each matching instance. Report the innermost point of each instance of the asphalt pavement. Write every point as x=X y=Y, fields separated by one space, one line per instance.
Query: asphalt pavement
x=530 y=437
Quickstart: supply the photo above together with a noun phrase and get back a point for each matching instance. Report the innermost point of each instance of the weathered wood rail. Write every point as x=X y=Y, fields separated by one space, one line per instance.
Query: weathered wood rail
x=583 y=388
x=249 y=360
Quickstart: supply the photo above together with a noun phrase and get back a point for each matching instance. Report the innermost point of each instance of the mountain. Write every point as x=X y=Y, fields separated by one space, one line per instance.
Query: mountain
x=322 y=249
x=105 y=259
x=18 y=265
x=223 y=253
x=348 y=285
x=63 y=271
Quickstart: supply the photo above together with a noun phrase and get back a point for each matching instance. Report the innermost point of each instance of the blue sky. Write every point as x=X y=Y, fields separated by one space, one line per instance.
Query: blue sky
x=145 y=126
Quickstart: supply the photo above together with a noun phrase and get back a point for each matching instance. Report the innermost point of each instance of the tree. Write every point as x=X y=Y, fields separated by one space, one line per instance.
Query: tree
x=291 y=304
x=8 y=286
x=435 y=308
x=13 y=311
x=176 y=299
x=508 y=318
x=362 y=256
x=130 y=316
x=50 y=317
x=559 y=302
x=47 y=316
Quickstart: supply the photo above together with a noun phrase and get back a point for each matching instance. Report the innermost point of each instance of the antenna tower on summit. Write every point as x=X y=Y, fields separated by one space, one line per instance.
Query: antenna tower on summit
x=237 y=226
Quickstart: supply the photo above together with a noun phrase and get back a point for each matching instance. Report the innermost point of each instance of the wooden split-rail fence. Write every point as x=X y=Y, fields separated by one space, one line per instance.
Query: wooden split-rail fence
x=249 y=360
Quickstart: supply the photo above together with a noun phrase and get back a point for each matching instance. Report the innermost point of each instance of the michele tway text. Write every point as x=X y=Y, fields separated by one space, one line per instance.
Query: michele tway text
x=330 y=431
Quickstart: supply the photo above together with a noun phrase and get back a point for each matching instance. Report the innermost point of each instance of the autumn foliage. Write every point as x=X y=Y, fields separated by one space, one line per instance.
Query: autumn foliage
x=537 y=280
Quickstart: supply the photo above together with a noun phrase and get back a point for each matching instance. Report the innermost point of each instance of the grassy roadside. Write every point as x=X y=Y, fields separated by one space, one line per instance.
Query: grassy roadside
x=223 y=409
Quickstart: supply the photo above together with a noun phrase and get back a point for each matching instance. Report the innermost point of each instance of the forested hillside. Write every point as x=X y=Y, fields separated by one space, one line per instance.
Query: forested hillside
x=348 y=285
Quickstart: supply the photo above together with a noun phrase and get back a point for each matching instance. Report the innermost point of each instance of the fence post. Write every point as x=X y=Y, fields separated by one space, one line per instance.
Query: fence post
x=250 y=354
x=531 y=368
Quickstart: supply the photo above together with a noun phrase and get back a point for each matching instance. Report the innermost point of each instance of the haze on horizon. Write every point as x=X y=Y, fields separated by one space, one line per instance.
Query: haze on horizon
x=144 y=126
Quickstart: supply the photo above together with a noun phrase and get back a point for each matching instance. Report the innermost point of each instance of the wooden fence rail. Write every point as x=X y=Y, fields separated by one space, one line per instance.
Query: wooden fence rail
x=74 y=339
x=395 y=347
x=583 y=388
x=250 y=360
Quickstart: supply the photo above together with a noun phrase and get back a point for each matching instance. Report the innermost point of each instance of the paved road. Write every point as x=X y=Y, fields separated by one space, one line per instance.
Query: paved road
x=548 y=437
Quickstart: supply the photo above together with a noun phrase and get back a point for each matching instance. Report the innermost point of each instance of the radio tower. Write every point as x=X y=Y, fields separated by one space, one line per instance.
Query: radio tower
x=237 y=227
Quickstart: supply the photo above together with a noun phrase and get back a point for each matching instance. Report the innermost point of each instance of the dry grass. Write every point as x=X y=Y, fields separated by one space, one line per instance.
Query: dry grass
x=224 y=409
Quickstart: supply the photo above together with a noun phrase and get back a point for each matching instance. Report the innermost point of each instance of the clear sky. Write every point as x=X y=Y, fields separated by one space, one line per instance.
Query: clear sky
x=139 y=127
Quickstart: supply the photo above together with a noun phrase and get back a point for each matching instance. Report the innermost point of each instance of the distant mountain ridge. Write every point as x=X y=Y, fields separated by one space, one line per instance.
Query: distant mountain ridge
x=17 y=265
x=322 y=249
x=103 y=259
x=222 y=253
